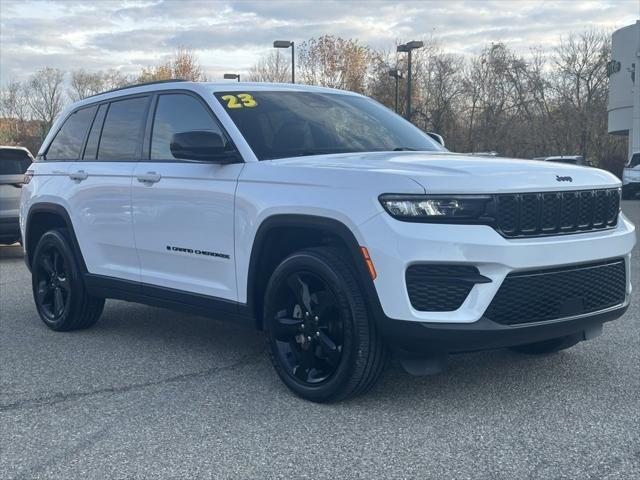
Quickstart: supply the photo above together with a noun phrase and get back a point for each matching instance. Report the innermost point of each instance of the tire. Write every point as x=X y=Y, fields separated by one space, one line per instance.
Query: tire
x=547 y=346
x=58 y=289
x=339 y=353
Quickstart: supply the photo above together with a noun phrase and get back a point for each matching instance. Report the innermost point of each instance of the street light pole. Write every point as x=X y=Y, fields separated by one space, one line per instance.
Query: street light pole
x=287 y=44
x=408 y=48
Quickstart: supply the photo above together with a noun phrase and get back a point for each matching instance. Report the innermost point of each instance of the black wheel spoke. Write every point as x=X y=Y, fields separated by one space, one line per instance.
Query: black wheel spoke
x=58 y=302
x=42 y=291
x=56 y=262
x=329 y=348
x=301 y=291
x=286 y=328
x=63 y=283
x=47 y=265
x=306 y=361
x=308 y=331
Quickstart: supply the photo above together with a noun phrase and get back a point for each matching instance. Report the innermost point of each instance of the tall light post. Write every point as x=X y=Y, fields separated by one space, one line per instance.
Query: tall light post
x=397 y=74
x=232 y=76
x=408 y=48
x=287 y=44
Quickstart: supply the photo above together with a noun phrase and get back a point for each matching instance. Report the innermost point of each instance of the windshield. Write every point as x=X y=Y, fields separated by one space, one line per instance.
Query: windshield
x=279 y=124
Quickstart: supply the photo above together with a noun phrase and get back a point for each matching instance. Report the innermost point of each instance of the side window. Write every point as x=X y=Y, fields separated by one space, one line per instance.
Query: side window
x=123 y=130
x=177 y=113
x=635 y=160
x=68 y=142
x=91 y=150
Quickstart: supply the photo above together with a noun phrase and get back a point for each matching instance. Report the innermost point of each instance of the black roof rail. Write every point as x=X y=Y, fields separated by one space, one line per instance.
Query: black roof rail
x=144 y=84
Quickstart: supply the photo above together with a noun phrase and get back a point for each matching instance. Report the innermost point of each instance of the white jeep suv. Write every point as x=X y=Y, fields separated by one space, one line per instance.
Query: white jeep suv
x=323 y=218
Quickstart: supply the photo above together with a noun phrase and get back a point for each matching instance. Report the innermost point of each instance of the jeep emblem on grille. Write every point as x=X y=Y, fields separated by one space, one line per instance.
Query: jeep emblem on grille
x=564 y=179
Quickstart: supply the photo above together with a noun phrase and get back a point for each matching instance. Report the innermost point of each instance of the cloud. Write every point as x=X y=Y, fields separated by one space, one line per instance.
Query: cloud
x=231 y=35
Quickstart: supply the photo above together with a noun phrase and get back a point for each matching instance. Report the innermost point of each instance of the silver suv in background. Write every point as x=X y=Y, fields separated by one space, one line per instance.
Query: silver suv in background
x=14 y=162
x=631 y=177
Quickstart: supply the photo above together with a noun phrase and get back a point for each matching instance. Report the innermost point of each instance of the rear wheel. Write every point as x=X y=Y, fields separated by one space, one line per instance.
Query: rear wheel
x=58 y=290
x=320 y=338
x=547 y=346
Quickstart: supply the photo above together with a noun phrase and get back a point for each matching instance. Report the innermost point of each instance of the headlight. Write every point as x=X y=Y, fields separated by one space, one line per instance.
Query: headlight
x=436 y=208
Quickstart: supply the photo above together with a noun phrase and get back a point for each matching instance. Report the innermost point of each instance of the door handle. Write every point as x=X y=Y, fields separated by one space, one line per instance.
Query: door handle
x=149 y=177
x=79 y=175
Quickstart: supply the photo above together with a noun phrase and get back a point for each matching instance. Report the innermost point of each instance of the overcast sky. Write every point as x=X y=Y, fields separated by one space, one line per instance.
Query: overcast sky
x=229 y=36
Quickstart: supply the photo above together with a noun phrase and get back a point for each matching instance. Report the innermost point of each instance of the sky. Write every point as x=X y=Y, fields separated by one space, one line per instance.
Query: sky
x=229 y=36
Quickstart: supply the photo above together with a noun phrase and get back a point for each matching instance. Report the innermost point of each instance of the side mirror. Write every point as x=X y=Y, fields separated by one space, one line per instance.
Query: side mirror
x=436 y=137
x=201 y=145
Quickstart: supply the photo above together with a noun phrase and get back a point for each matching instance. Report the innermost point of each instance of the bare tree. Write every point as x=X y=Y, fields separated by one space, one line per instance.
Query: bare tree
x=185 y=65
x=45 y=95
x=15 y=111
x=581 y=84
x=335 y=62
x=85 y=84
x=182 y=65
x=274 y=67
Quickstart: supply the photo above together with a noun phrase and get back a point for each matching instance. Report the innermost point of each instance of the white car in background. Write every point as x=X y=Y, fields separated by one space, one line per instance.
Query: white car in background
x=631 y=177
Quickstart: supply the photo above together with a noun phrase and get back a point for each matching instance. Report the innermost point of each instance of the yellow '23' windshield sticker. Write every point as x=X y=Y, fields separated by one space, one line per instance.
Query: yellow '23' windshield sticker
x=240 y=100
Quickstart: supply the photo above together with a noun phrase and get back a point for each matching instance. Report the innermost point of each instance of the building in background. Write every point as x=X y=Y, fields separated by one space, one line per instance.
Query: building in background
x=624 y=85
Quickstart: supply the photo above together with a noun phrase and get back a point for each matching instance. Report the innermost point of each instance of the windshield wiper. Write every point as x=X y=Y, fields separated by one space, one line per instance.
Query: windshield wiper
x=404 y=149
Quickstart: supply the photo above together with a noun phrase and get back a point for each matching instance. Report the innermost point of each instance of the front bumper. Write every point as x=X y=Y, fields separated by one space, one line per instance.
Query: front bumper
x=436 y=339
x=394 y=246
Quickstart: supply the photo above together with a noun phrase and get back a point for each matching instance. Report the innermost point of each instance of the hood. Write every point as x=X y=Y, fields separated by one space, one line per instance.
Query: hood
x=444 y=172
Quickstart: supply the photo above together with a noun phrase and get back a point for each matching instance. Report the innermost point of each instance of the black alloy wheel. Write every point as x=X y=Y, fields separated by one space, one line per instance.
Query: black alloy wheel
x=58 y=287
x=308 y=328
x=53 y=290
x=321 y=341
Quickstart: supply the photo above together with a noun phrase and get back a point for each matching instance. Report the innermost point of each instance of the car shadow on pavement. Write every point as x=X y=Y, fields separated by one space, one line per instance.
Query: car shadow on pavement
x=470 y=377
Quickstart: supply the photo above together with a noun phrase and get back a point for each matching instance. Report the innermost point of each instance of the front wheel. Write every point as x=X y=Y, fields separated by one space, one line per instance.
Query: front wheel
x=321 y=340
x=58 y=289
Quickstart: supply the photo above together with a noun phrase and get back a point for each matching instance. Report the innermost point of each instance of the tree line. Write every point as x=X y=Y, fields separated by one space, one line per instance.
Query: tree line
x=542 y=103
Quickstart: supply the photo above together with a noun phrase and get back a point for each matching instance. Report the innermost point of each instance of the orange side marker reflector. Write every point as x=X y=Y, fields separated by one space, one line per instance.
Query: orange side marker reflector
x=367 y=259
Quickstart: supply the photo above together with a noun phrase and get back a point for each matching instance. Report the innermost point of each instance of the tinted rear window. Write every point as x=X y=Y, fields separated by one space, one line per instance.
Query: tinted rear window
x=123 y=130
x=70 y=138
x=13 y=162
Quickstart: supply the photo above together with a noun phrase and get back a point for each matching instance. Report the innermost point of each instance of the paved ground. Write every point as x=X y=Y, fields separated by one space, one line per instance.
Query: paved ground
x=149 y=393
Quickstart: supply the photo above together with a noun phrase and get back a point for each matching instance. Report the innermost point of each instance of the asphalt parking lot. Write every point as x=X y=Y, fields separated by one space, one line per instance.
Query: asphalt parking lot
x=149 y=393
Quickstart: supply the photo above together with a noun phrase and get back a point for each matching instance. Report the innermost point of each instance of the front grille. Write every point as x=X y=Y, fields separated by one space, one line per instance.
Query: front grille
x=550 y=294
x=440 y=288
x=552 y=213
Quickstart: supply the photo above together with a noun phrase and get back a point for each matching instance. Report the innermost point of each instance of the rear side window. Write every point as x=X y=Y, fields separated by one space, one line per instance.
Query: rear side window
x=123 y=130
x=635 y=160
x=91 y=150
x=177 y=113
x=69 y=140
x=13 y=161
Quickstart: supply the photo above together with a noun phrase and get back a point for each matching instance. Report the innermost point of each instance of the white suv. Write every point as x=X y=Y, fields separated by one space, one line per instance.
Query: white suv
x=326 y=220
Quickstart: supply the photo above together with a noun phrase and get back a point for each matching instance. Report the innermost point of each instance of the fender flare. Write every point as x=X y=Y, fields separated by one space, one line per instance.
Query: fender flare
x=330 y=225
x=60 y=211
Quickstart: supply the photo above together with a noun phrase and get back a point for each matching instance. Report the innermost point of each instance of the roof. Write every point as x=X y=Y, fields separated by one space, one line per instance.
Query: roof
x=200 y=86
